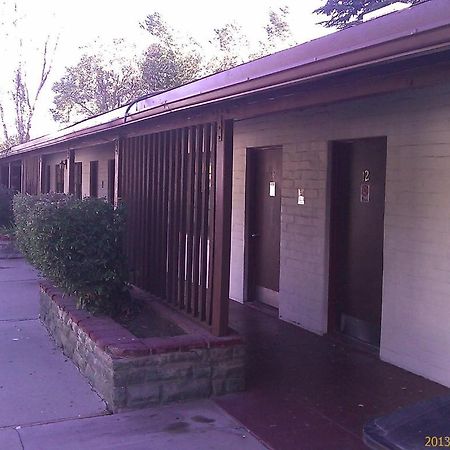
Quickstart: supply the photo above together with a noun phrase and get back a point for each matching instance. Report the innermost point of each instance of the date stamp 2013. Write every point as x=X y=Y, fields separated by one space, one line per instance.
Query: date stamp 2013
x=437 y=441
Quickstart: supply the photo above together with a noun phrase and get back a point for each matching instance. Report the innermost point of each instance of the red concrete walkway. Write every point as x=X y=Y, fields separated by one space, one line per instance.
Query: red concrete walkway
x=308 y=392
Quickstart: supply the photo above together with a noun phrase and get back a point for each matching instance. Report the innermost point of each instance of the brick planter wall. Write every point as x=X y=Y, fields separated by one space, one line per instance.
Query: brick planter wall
x=129 y=372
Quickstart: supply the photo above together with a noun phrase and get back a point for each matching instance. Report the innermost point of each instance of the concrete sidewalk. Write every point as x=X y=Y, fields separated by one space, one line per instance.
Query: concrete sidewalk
x=47 y=404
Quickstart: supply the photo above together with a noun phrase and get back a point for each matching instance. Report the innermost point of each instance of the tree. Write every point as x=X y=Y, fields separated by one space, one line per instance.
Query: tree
x=233 y=46
x=230 y=43
x=97 y=84
x=94 y=86
x=278 y=32
x=21 y=95
x=344 y=13
x=100 y=82
x=169 y=60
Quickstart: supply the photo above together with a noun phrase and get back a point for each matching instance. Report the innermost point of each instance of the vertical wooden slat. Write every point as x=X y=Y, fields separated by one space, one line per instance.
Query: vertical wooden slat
x=211 y=229
x=204 y=221
x=162 y=225
x=165 y=218
x=171 y=263
x=161 y=216
x=145 y=213
x=136 y=207
x=190 y=217
x=139 y=209
x=177 y=213
x=126 y=195
x=197 y=218
x=183 y=219
x=154 y=212
x=130 y=207
x=133 y=203
x=158 y=211
x=222 y=226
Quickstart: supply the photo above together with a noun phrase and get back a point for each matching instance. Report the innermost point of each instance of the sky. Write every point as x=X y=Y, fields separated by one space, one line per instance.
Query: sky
x=83 y=23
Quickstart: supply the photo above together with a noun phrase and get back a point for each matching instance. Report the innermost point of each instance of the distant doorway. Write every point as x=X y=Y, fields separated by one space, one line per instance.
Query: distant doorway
x=357 y=234
x=263 y=212
x=16 y=177
x=78 y=179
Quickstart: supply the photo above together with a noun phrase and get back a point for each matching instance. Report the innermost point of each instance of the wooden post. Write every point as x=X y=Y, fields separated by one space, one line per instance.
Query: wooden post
x=222 y=228
x=41 y=175
x=9 y=175
x=23 y=176
x=117 y=171
x=71 y=171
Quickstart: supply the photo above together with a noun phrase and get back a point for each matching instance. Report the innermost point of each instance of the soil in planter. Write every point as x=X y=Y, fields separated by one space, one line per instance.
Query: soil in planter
x=143 y=322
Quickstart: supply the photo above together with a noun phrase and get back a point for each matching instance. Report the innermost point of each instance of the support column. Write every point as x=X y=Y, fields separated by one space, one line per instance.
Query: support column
x=71 y=171
x=23 y=177
x=9 y=175
x=41 y=175
x=117 y=171
x=222 y=228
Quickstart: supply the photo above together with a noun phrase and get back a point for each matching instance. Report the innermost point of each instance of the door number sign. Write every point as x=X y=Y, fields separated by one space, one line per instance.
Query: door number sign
x=272 y=189
x=365 y=187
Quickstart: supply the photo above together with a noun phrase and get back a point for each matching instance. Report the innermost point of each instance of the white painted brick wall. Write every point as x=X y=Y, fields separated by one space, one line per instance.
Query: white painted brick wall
x=100 y=153
x=52 y=161
x=416 y=285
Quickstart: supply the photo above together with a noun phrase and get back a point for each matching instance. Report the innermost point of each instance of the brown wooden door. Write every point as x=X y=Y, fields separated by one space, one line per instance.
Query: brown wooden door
x=111 y=180
x=93 y=178
x=78 y=179
x=59 y=178
x=263 y=224
x=357 y=231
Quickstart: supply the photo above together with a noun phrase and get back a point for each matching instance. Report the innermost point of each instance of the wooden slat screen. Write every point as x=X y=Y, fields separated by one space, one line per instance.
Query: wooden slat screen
x=168 y=187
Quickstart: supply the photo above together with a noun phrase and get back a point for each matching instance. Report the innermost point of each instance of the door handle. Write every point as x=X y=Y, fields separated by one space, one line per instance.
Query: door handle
x=254 y=235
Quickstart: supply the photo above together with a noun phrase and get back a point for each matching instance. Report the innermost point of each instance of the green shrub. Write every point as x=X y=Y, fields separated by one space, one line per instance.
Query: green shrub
x=6 y=212
x=77 y=243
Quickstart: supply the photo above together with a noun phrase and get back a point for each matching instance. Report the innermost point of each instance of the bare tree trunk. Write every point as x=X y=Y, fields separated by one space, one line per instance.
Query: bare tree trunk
x=24 y=104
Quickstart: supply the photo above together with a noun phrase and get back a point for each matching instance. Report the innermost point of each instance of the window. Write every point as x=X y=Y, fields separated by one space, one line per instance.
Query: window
x=93 y=187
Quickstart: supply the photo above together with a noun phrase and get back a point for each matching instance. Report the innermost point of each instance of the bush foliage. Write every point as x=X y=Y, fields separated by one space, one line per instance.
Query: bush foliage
x=77 y=244
x=6 y=211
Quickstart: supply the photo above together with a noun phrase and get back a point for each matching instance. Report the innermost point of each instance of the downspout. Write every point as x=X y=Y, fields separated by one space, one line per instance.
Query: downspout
x=137 y=100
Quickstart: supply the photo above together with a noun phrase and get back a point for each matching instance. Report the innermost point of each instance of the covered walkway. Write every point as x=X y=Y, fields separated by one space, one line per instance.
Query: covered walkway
x=311 y=392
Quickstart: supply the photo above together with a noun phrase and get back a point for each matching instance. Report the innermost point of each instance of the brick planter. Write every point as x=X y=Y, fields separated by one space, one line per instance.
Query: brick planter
x=8 y=249
x=130 y=372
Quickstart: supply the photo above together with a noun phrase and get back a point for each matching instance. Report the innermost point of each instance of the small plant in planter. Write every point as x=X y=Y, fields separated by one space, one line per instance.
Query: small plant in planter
x=76 y=243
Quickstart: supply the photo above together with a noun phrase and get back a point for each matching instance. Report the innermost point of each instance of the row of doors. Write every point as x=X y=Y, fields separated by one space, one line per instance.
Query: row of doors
x=356 y=233
x=78 y=179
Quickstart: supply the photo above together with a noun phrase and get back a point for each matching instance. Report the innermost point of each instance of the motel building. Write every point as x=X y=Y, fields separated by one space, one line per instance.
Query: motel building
x=313 y=183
